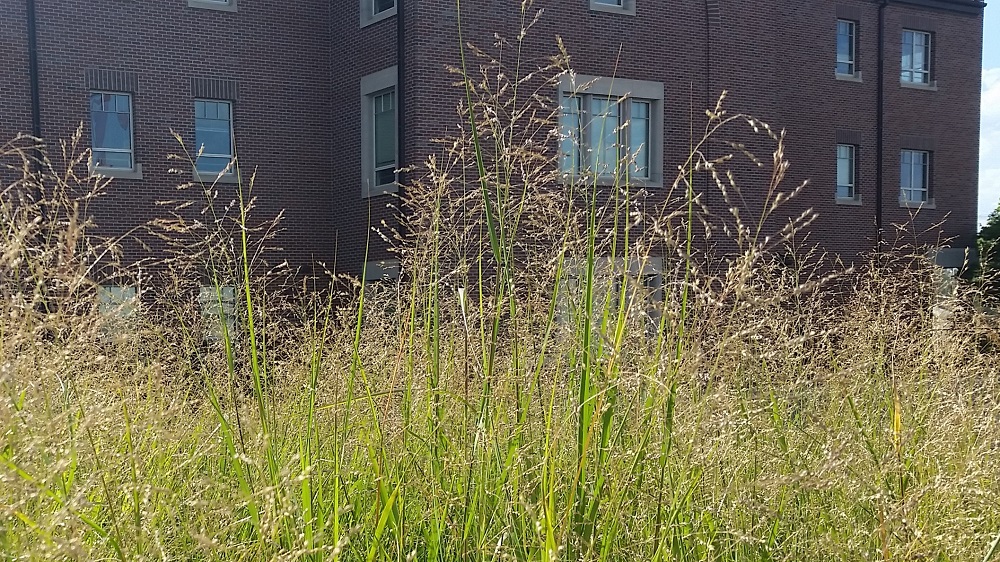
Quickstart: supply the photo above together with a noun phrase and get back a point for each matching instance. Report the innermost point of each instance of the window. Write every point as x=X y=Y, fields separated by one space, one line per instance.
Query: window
x=846 y=46
x=641 y=284
x=626 y=7
x=218 y=311
x=914 y=176
x=116 y=301
x=381 y=270
x=223 y=5
x=612 y=128
x=846 y=168
x=384 y=136
x=213 y=137
x=111 y=131
x=118 y=306
x=379 y=126
x=916 y=57
x=376 y=10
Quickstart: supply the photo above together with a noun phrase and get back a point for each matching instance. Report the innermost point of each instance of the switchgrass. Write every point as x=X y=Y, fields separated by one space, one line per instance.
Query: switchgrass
x=564 y=373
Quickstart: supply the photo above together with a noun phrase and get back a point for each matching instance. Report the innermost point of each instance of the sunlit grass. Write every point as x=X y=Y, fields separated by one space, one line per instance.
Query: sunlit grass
x=519 y=395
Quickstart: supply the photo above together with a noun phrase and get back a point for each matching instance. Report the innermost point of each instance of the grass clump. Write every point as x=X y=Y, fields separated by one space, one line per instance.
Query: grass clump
x=564 y=373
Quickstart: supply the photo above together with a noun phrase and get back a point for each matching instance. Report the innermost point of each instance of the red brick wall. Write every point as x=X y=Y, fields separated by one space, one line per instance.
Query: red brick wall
x=299 y=66
x=15 y=92
x=283 y=119
x=949 y=116
x=777 y=61
x=357 y=52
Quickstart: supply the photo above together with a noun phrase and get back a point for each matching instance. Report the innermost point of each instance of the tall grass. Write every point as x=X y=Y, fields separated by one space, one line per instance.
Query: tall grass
x=520 y=395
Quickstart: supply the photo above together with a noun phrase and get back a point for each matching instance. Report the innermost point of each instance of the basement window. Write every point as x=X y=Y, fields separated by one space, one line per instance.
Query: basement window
x=218 y=310
x=116 y=301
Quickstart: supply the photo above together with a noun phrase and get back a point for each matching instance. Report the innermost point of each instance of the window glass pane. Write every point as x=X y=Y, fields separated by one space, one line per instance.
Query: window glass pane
x=116 y=301
x=385 y=129
x=845 y=47
x=111 y=130
x=844 y=169
x=213 y=135
x=108 y=159
x=379 y=6
x=905 y=178
x=570 y=131
x=639 y=138
x=916 y=57
x=212 y=164
x=919 y=170
x=604 y=134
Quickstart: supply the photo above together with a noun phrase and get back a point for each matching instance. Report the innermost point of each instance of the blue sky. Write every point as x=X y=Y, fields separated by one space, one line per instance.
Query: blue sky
x=989 y=150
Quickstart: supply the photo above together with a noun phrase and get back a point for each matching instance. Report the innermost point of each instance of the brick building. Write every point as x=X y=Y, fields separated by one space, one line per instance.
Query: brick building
x=326 y=98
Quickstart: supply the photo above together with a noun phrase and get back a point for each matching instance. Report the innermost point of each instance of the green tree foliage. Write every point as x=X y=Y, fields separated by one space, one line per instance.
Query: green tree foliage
x=989 y=252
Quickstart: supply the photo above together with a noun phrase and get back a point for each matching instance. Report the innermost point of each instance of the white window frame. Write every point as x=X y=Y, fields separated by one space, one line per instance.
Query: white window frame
x=230 y=175
x=852 y=59
x=906 y=193
x=372 y=86
x=588 y=88
x=134 y=172
x=912 y=75
x=368 y=16
x=624 y=7
x=220 y=5
x=852 y=184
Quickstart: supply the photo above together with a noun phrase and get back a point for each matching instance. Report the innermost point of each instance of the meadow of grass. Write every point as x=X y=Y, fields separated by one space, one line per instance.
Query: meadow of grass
x=517 y=396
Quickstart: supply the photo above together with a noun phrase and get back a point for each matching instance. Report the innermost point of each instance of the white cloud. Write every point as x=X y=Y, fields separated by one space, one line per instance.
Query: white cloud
x=989 y=144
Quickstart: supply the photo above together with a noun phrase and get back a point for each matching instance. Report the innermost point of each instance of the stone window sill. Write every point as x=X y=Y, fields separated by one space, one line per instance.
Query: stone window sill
x=849 y=201
x=210 y=178
x=856 y=77
x=932 y=87
x=367 y=191
x=929 y=204
x=628 y=9
x=118 y=173
x=229 y=6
